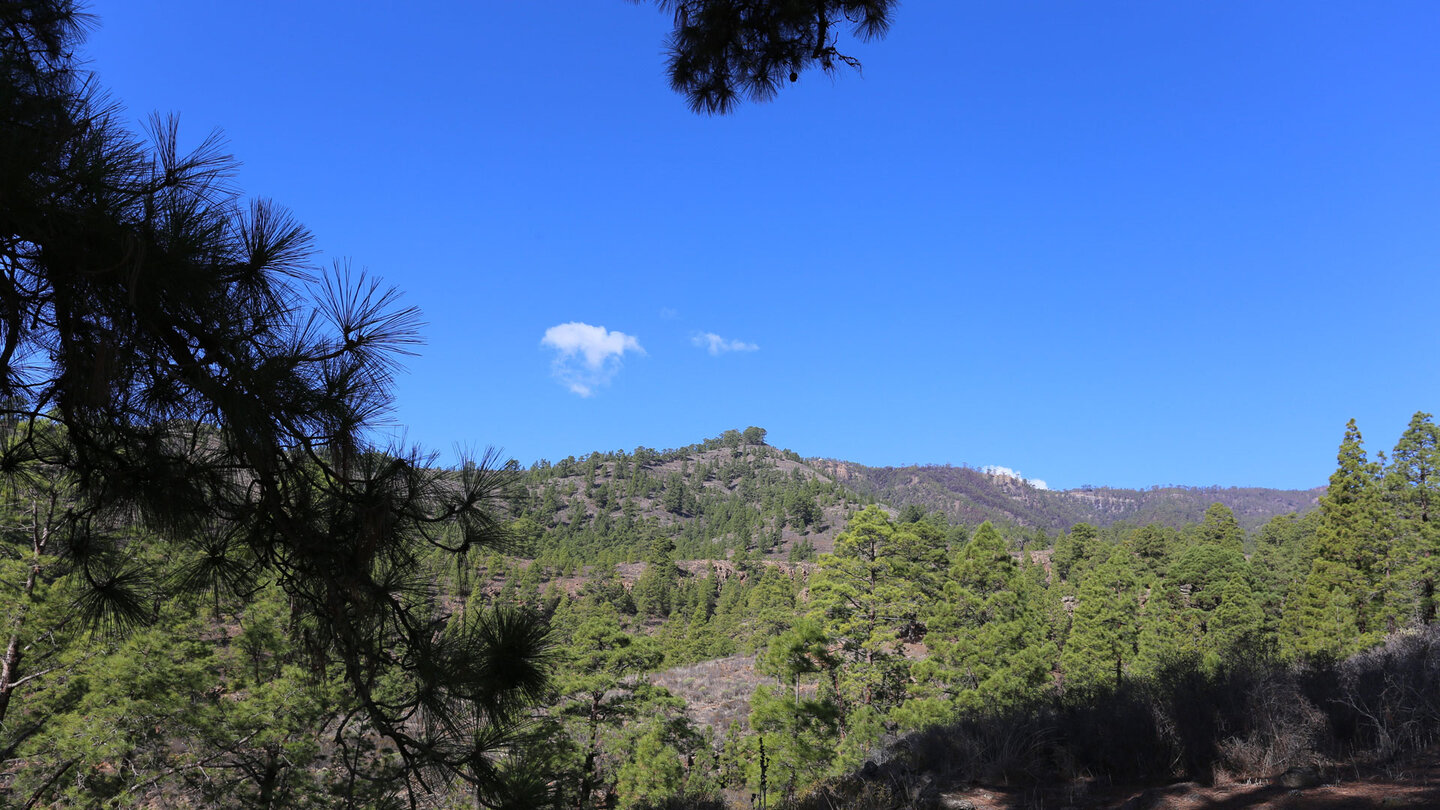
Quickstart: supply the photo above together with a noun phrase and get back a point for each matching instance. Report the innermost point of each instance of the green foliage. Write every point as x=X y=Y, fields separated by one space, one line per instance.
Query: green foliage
x=1340 y=607
x=986 y=637
x=799 y=736
x=1220 y=528
x=1074 y=549
x=653 y=773
x=1203 y=568
x=1103 y=639
x=868 y=595
x=191 y=406
x=1412 y=490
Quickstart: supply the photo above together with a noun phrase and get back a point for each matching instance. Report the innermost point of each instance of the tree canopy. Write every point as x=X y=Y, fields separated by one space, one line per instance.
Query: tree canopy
x=723 y=51
x=171 y=353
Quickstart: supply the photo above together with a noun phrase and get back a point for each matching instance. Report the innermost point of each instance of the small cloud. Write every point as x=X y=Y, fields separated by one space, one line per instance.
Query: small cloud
x=586 y=357
x=717 y=345
x=669 y=313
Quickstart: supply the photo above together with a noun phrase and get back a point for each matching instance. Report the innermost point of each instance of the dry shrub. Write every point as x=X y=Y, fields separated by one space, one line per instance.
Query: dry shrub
x=1389 y=697
x=1285 y=730
x=851 y=793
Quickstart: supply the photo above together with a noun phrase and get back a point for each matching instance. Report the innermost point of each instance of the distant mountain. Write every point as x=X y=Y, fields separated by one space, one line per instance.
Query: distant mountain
x=971 y=496
x=734 y=493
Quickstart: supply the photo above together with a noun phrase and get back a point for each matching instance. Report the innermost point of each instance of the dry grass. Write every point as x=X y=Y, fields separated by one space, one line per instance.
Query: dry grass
x=717 y=692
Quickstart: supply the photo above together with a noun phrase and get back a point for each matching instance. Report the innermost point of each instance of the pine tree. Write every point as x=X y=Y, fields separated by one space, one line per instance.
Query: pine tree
x=1235 y=628
x=1151 y=546
x=771 y=604
x=163 y=345
x=1340 y=606
x=865 y=597
x=723 y=52
x=601 y=689
x=652 y=773
x=1103 y=638
x=1074 y=549
x=986 y=636
x=1321 y=623
x=1171 y=631
x=1219 y=527
x=1412 y=489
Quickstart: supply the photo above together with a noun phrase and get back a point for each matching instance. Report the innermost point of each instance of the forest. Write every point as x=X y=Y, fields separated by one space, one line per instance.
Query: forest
x=221 y=589
x=706 y=642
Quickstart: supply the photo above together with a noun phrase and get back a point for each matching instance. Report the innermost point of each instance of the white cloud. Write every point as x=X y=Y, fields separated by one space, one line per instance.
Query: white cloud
x=587 y=357
x=717 y=345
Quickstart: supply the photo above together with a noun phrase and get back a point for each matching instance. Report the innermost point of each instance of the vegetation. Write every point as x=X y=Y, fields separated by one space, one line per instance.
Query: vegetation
x=722 y=52
x=183 y=416
x=220 y=592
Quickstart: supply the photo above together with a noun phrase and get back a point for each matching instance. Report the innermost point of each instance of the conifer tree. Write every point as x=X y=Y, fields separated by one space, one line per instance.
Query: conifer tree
x=1151 y=545
x=1104 y=634
x=986 y=636
x=1284 y=552
x=174 y=350
x=1074 y=549
x=1338 y=610
x=1412 y=489
x=1236 y=626
x=1219 y=527
x=655 y=592
x=601 y=690
x=652 y=773
x=866 y=594
x=771 y=604
x=1171 y=632
x=721 y=52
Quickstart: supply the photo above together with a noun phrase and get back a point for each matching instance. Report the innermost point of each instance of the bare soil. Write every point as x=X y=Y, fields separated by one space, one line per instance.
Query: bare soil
x=1414 y=783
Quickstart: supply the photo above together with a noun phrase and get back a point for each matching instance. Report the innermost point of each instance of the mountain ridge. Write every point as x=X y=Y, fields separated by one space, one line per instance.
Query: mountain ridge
x=736 y=494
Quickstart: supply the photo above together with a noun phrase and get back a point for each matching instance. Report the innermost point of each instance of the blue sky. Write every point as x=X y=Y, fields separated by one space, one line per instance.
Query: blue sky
x=1123 y=243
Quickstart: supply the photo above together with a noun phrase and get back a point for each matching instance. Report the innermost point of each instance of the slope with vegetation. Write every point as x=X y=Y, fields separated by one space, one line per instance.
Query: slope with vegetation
x=220 y=592
x=917 y=657
x=972 y=496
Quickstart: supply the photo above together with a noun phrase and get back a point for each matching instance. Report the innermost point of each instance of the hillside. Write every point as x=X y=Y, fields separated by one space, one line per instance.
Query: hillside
x=971 y=496
x=735 y=494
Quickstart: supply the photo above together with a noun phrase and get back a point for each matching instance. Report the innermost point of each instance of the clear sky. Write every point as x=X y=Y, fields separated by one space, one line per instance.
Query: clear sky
x=1123 y=243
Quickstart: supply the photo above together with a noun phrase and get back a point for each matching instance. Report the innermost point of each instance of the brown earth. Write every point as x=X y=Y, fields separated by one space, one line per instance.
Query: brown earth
x=1413 y=783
